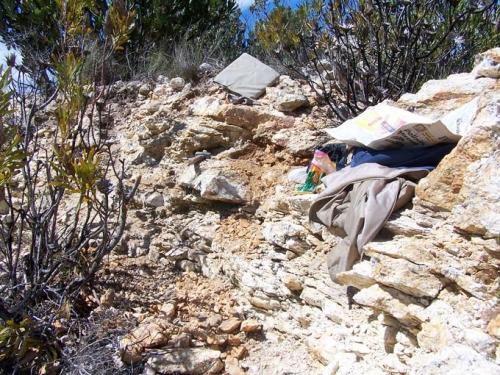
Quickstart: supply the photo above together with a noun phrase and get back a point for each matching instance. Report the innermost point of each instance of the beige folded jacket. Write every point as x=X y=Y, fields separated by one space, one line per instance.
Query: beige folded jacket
x=356 y=204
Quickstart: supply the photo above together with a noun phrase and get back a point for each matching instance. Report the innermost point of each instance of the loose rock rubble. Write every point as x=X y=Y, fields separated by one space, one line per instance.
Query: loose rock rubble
x=221 y=272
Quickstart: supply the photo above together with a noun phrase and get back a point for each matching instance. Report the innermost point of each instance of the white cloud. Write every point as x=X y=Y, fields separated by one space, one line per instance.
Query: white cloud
x=244 y=4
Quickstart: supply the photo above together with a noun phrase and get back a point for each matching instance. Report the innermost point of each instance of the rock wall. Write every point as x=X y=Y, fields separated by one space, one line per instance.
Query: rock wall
x=438 y=273
x=234 y=238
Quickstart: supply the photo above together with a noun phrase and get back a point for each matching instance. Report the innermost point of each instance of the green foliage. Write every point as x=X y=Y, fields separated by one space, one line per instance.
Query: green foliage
x=282 y=28
x=5 y=93
x=21 y=346
x=119 y=24
x=216 y=47
x=78 y=170
x=67 y=74
x=376 y=49
x=34 y=28
x=49 y=253
x=11 y=157
x=77 y=174
x=30 y=23
x=173 y=38
x=159 y=20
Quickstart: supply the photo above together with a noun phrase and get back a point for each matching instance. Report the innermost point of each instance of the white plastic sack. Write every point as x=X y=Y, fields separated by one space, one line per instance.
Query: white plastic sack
x=384 y=126
x=298 y=175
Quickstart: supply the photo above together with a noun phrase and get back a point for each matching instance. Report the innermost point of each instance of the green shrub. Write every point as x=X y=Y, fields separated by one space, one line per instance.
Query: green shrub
x=47 y=262
x=33 y=28
x=357 y=53
x=22 y=348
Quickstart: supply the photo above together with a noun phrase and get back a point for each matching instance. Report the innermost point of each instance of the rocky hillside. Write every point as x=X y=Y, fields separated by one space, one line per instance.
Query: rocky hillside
x=221 y=272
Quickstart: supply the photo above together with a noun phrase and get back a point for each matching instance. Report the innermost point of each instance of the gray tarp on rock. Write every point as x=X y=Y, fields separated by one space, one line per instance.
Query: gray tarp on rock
x=247 y=76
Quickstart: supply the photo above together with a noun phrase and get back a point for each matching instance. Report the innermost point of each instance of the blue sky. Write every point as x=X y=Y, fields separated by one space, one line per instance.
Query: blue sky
x=3 y=53
x=244 y=4
x=247 y=16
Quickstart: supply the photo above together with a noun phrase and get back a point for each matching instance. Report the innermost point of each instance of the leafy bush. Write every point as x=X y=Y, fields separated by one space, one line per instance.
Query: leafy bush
x=216 y=48
x=21 y=345
x=357 y=53
x=65 y=196
x=158 y=20
x=182 y=55
x=33 y=28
